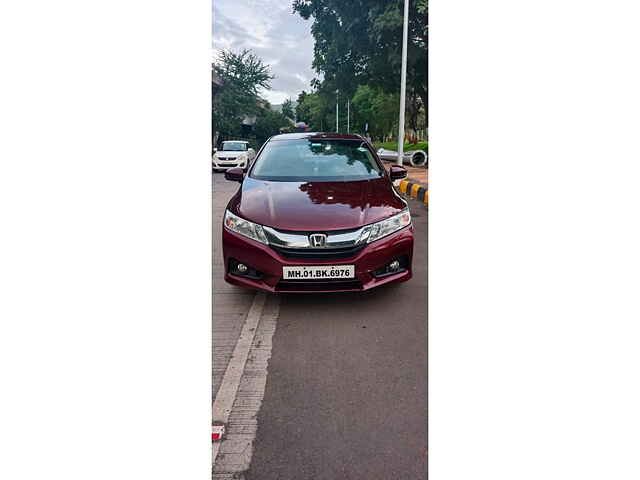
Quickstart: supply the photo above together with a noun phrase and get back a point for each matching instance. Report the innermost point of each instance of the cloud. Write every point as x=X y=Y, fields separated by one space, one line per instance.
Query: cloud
x=268 y=28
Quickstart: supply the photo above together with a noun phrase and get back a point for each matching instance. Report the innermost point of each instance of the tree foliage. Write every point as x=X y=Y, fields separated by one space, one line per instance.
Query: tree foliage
x=268 y=123
x=376 y=109
x=359 y=42
x=302 y=108
x=246 y=70
x=243 y=75
x=287 y=109
x=317 y=110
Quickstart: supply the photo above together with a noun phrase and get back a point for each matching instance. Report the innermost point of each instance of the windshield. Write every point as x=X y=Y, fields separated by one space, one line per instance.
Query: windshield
x=316 y=159
x=234 y=147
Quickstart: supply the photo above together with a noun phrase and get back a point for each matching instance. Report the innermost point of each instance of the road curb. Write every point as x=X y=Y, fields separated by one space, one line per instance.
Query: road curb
x=415 y=190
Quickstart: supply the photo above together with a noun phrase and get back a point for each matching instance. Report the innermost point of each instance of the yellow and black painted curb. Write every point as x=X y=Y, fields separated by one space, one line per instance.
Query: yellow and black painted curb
x=415 y=190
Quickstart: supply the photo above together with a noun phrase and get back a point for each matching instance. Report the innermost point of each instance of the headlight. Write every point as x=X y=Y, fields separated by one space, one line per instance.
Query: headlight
x=244 y=227
x=386 y=227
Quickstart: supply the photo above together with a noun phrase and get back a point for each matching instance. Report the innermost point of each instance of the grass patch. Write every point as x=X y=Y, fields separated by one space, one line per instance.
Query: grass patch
x=407 y=146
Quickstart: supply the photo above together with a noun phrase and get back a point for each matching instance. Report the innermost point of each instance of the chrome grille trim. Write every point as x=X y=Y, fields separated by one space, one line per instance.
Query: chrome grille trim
x=335 y=239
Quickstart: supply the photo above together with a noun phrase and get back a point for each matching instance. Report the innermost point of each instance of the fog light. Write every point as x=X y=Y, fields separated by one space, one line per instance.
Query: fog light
x=242 y=268
x=394 y=267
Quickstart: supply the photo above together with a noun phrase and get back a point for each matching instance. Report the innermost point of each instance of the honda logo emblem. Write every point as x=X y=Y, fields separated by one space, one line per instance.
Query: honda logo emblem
x=318 y=240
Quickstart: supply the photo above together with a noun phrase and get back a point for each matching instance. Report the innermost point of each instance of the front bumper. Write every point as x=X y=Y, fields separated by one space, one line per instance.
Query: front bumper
x=227 y=164
x=269 y=264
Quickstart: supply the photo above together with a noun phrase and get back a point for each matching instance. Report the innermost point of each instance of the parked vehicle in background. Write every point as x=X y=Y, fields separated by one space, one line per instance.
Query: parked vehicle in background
x=416 y=158
x=317 y=212
x=233 y=154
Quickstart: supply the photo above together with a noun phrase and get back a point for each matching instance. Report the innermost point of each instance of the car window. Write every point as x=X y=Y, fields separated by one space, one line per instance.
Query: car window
x=234 y=146
x=316 y=159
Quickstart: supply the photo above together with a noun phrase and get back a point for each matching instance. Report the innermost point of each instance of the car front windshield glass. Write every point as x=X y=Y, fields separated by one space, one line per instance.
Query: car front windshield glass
x=316 y=159
x=234 y=147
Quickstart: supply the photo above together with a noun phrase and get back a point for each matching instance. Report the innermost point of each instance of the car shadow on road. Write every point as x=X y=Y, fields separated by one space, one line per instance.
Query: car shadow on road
x=344 y=307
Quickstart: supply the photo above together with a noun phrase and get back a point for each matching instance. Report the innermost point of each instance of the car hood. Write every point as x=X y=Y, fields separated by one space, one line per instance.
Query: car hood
x=309 y=206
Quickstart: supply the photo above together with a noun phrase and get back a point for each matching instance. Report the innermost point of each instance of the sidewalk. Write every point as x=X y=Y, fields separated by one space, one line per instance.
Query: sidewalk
x=414 y=174
x=418 y=175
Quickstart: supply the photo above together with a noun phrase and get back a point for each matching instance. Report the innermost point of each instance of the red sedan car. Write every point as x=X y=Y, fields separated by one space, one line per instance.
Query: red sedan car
x=317 y=212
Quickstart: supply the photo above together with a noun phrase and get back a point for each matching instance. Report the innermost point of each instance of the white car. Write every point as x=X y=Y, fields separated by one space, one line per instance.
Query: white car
x=233 y=154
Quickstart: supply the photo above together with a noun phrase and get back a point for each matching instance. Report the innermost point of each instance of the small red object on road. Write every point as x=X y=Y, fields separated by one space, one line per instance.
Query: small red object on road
x=217 y=432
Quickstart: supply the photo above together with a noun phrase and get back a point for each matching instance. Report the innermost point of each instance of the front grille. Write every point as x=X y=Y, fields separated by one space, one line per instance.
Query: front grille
x=341 y=242
x=319 y=253
x=317 y=286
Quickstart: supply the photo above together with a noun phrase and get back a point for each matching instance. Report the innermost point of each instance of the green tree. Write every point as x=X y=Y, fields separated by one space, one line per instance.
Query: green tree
x=268 y=123
x=316 y=110
x=287 y=109
x=362 y=102
x=302 y=108
x=376 y=108
x=415 y=111
x=352 y=48
x=243 y=75
x=386 y=109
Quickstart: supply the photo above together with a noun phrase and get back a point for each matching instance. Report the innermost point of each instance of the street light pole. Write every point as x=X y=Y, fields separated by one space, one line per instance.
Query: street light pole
x=337 y=108
x=403 y=82
x=348 y=111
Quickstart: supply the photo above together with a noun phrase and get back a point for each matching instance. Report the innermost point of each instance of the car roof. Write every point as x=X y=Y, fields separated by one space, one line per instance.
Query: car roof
x=235 y=141
x=327 y=135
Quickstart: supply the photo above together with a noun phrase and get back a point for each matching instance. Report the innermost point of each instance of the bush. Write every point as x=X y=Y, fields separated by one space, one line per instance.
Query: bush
x=407 y=146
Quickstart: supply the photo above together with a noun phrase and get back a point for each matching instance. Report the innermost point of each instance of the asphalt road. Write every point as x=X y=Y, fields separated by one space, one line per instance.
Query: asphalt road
x=346 y=392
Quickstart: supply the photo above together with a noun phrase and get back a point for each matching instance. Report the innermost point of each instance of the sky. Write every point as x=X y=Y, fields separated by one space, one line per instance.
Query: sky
x=281 y=39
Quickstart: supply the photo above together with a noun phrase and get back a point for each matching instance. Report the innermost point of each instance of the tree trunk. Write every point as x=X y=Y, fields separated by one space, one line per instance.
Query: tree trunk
x=424 y=96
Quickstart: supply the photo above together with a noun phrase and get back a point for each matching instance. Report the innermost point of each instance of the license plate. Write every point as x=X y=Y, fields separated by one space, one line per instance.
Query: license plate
x=323 y=272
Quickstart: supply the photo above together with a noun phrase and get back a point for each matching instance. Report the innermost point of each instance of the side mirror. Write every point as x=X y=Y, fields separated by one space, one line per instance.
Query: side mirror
x=397 y=173
x=234 y=174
